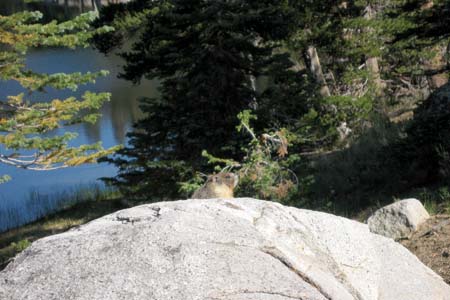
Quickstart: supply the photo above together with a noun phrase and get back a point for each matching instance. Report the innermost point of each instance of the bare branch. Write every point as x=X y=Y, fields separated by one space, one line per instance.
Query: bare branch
x=272 y=138
x=30 y=165
x=249 y=131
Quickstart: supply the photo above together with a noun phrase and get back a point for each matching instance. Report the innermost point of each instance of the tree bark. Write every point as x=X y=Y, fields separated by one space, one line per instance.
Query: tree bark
x=98 y=5
x=316 y=69
x=372 y=65
x=374 y=71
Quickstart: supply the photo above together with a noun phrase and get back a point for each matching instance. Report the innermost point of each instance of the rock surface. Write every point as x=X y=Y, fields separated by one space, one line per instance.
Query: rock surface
x=219 y=249
x=399 y=219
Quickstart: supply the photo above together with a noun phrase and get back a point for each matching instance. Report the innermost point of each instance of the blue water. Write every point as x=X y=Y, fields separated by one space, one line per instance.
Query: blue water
x=117 y=118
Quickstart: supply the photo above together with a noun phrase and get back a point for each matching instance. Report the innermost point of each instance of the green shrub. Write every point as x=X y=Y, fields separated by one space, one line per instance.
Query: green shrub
x=265 y=171
x=20 y=245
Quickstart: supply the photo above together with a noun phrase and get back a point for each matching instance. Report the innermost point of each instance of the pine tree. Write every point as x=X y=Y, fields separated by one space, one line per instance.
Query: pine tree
x=368 y=58
x=26 y=127
x=356 y=62
x=206 y=55
x=423 y=154
x=127 y=19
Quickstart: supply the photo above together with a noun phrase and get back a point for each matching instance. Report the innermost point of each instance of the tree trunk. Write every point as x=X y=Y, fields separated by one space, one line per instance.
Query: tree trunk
x=315 y=67
x=98 y=4
x=372 y=62
x=374 y=71
x=66 y=9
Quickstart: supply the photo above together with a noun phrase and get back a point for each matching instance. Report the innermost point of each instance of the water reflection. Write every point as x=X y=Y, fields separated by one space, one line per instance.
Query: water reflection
x=117 y=116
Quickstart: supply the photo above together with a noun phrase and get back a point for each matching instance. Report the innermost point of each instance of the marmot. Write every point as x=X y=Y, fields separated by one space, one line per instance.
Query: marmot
x=217 y=186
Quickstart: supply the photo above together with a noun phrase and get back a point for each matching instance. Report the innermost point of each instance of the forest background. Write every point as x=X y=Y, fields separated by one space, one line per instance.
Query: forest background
x=352 y=112
x=342 y=123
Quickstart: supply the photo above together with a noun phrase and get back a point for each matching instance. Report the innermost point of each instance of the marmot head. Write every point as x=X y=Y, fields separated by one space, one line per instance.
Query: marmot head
x=229 y=179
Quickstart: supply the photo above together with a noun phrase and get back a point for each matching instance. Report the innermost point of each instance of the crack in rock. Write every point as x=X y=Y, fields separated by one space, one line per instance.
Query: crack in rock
x=333 y=266
x=156 y=209
x=271 y=293
x=233 y=206
x=249 y=292
x=275 y=253
x=263 y=211
x=126 y=220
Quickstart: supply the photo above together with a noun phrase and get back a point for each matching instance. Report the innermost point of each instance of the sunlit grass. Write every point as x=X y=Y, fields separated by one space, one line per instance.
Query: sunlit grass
x=62 y=224
x=38 y=205
x=436 y=200
x=431 y=207
x=82 y=206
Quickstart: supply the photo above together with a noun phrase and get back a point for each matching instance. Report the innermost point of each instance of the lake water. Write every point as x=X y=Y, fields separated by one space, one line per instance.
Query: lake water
x=117 y=116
